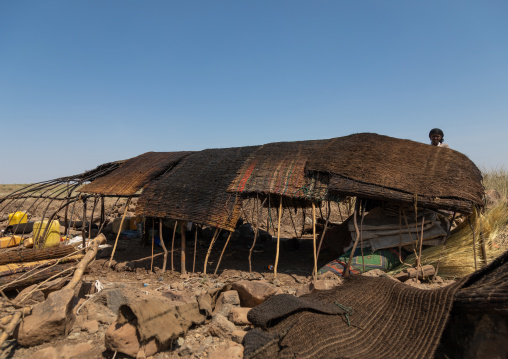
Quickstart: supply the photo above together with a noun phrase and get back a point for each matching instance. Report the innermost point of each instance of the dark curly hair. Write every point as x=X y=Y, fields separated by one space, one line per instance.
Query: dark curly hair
x=437 y=131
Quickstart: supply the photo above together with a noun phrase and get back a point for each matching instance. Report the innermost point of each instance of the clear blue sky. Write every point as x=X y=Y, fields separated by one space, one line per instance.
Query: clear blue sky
x=88 y=82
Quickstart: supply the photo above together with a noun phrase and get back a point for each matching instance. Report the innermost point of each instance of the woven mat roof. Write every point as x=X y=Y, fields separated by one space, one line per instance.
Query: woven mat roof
x=376 y=166
x=134 y=173
x=279 y=168
x=195 y=190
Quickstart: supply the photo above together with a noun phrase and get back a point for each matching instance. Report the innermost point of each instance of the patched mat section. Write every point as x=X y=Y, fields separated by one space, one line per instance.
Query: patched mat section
x=279 y=168
x=135 y=173
x=196 y=189
x=387 y=168
x=384 y=319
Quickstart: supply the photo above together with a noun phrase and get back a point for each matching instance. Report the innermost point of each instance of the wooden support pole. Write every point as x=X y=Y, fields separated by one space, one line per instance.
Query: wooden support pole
x=173 y=247
x=91 y=216
x=278 y=242
x=119 y=231
x=419 y=258
x=153 y=243
x=183 y=228
x=355 y=221
x=84 y=221
x=103 y=210
x=195 y=248
x=222 y=253
x=215 y=235
x=66 y=222
x=163 y=247
x=314 y=271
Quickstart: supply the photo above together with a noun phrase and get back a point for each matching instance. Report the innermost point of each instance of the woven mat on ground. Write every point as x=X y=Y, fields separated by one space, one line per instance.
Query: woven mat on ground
x=388 y=320
x=486 y=290
x=279 y=168
x=195 y=190
x=134 y=173
x=382 y=167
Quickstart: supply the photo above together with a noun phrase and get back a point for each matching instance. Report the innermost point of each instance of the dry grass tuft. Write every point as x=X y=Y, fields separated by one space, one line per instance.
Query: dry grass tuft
x=496 y=178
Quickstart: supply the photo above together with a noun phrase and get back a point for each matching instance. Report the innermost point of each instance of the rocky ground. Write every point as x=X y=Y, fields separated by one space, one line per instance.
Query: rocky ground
x=131 y=277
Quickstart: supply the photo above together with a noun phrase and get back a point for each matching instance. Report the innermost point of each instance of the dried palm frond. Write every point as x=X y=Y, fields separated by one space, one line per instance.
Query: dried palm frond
x=463 y=252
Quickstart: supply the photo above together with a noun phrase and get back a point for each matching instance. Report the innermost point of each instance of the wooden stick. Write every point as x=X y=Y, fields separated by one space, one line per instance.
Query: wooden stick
x=444 y=244
x=173 y=247
x=89 y=256
x=210 y=248
x=355 y=221
x=361 y=235
x=182 y=247
x=7 y=319
x=119 y=231
x=255 y=233
x=149 y=257
x=314 y=272
x=419 y=259
x=10 y=327
x=324 y=230
x=278 y=242
x=195 y=248
x=153 y=243
x=292 y=222
x=223 y=249
x=163 y=247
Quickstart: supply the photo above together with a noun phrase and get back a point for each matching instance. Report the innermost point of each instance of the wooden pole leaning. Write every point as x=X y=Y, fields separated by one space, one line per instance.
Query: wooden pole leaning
x=210 y=248
x=222 y=253
x=324 y=231
x=119 y=231
x=355 y=222
x=182 y=248
x=173 y=247
x=278 y=242
x=419 y=265
x=314 y=271
x=163 y=247
x=255 y=234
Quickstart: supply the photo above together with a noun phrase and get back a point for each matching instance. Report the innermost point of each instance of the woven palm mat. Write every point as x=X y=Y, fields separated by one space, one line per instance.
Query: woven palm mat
x=402 y=165
x=387 y=319
x=135 y=173
x=486 y=290
x=279 y=168
x=195 y=190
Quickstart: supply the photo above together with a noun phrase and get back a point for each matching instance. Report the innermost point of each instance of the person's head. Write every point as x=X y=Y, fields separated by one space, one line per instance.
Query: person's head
x=436 y=136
